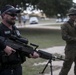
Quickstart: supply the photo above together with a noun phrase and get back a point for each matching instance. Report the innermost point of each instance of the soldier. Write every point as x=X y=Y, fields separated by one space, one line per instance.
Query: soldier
x=7 y=27
x=68 y=30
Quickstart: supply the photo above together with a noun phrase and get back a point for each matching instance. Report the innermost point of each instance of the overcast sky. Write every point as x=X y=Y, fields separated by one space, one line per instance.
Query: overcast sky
x=74 y=1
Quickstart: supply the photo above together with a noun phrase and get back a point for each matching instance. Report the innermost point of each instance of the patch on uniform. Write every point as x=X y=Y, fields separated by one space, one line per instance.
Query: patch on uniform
x=7 y=32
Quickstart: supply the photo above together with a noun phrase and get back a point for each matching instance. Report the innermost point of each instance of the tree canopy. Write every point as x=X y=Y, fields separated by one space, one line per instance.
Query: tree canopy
x=49 y=7
x=53 y=7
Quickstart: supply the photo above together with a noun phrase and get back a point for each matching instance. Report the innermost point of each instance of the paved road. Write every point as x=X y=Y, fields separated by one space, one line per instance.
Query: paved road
x=42 y=26
x=43 y=23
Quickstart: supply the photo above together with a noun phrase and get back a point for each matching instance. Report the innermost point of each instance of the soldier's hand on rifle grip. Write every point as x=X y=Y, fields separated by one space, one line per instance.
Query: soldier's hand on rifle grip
x=34 y=55
x=9 y=50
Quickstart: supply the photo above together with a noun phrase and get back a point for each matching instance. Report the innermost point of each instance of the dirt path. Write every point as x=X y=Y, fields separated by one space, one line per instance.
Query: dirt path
x=60 y=50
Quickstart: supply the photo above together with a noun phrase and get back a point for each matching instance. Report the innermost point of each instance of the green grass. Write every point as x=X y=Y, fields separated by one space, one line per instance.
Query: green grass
x=29 y=68
x=54 y=25
x=43 y=38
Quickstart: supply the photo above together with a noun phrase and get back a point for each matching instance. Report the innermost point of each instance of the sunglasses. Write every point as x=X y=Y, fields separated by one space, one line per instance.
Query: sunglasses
x=12 y=14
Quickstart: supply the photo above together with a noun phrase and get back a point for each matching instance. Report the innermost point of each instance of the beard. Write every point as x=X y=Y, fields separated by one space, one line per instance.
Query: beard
x=10 y=22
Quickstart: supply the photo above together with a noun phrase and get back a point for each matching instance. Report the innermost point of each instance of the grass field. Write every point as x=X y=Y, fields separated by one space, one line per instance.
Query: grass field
x=43 y=38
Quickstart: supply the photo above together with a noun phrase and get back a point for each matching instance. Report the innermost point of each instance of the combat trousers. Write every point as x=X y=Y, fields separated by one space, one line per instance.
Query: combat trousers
x=70 y=57
x=15 y=71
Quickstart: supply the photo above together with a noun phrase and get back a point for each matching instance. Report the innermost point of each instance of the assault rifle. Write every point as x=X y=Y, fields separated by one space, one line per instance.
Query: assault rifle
x=21 y=44
x=26 y=49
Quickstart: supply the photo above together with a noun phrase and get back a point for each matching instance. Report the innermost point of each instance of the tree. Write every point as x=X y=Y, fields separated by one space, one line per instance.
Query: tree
x=53 y=7
x=11 y=2
x=49 y=7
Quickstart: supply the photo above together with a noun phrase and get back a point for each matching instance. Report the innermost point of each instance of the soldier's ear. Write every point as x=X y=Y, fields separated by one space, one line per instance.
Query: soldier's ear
x=2 y=15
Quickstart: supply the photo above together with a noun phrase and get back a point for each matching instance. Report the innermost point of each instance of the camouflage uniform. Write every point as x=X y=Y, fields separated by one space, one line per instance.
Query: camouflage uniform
x=68 y=30
x=69 y=35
